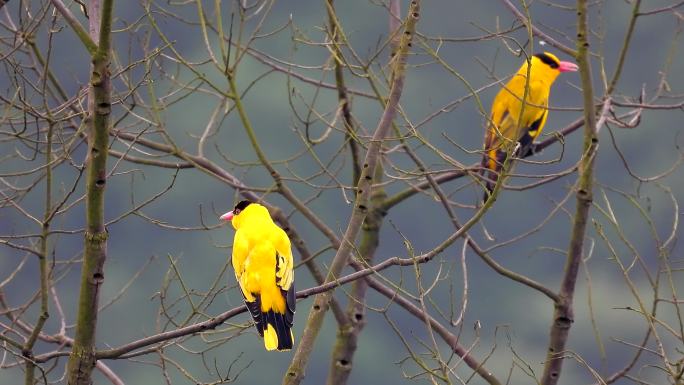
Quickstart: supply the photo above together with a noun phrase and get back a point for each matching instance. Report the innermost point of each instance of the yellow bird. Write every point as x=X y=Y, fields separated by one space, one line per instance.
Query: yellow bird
x=512 y=125
x=263 y=265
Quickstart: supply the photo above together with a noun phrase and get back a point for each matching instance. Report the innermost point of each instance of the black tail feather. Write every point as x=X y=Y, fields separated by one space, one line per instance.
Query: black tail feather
x=489 y=178
x=281 y=323
x=489 y=175
x=281 y=327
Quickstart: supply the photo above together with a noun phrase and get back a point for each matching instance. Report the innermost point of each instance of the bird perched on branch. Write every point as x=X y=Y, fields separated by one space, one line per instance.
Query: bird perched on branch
x=512 y=128
x=263 y=265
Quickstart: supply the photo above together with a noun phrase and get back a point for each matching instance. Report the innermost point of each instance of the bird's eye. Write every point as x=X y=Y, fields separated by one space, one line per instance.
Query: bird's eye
x=236 y=211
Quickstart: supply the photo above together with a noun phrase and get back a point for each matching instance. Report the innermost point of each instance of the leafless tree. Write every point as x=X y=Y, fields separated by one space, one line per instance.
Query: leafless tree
x=353 y=123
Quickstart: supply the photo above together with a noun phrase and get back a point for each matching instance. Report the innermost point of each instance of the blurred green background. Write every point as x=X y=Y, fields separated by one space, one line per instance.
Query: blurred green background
x=515 y=320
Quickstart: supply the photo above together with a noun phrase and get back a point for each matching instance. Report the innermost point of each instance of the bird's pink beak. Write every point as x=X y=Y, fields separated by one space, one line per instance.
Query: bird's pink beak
x=566 y=66
x=227 y=216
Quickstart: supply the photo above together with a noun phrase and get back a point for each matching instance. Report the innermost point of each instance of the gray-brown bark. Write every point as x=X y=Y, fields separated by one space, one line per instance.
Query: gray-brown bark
x=563 y=315
x=82 y=359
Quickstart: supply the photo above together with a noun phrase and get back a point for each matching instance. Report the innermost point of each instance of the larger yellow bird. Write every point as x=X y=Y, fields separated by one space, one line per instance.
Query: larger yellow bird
x=510 y=124
x=263 y=265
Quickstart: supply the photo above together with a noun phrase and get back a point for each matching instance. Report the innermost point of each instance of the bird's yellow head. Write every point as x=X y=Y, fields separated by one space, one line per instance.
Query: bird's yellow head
x=546 y=66
x=243 y=211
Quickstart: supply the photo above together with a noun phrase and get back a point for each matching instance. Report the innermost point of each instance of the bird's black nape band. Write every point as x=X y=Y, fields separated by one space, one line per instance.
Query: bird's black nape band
x=548 y=60
x=241 y=205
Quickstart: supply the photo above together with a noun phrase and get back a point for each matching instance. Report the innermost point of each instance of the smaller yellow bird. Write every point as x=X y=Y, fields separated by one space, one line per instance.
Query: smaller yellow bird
x=511 y=125
x=264 y=269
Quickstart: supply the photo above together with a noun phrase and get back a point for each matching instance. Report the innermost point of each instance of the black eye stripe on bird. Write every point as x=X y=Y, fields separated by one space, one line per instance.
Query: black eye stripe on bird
x=242 y=205
x=264 y=268
x=548 y=60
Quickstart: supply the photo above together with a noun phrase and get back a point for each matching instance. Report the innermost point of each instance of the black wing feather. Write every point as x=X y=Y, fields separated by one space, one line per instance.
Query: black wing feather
x=291 y=301
x=527 y=140
x=255 y=311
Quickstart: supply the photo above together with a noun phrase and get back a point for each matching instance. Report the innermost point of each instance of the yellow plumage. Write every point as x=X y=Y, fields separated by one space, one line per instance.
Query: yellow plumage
x=263 y=263
x=510 y=123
